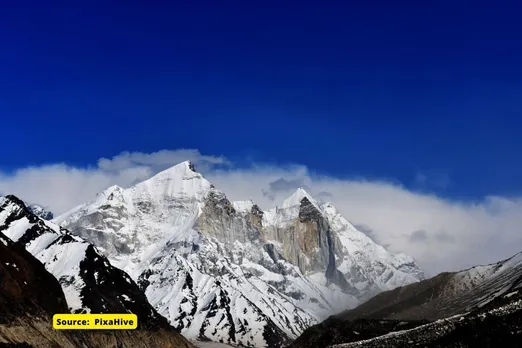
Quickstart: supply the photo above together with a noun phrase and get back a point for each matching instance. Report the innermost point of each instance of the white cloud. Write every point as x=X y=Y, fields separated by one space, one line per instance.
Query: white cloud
x=158 y=160
x=440 y=234
x=61 y=187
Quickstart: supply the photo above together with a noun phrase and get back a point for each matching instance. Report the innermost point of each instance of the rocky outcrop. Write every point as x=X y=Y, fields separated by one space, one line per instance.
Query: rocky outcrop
x=21 y=285
x=219 y=220
x=308 y=241
x=319 y=240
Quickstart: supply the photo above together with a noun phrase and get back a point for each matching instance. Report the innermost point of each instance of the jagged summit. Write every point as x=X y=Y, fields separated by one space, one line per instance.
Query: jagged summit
x=12 y=199
x=184 y=170
x=112 y=189
x=36 y=209
x=40 y=211
x=296 y=198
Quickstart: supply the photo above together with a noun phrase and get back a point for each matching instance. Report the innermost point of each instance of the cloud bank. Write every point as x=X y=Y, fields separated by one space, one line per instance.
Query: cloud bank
x=441 y=235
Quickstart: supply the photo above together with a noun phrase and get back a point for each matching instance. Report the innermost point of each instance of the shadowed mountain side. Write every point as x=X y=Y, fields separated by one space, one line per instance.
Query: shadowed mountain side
x=484 y=292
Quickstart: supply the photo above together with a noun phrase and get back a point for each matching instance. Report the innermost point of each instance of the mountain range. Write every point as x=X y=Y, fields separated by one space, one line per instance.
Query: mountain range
x=226 y=271
x=175 y=247
x=177 y=252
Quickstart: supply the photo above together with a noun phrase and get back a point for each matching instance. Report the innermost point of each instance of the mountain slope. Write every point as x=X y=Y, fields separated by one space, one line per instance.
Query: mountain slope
x=446 y=294
x=498 y=324
x=90 y=283
x=30 y=295
x=227 y=271
x=476 y=290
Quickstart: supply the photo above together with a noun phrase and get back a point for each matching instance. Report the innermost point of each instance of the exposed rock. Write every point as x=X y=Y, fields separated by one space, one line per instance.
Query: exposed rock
x=219 y=219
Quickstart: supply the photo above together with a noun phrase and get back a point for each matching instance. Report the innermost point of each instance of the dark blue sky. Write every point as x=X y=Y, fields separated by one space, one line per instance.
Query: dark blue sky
x=368 y=89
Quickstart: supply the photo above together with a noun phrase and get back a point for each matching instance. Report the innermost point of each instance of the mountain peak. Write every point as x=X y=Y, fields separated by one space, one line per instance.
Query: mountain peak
x=112 y=189
x=180 y=179
x=14 y=200
x=296 y=198
x=243 y=206
x=40 y=211
x=181 y=171
x=190 y=165
x=36 y=209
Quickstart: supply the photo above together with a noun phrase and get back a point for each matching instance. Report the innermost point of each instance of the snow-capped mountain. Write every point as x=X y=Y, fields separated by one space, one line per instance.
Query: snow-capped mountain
x=229 y=272
x=40 y=211
x=37 y=210
x=89 y=281
x=330 y=250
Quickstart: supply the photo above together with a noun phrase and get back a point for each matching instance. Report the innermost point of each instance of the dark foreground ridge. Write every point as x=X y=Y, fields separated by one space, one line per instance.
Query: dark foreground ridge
x=335 y=330
x=495 y=325
x=478 y=307
x=499 y=324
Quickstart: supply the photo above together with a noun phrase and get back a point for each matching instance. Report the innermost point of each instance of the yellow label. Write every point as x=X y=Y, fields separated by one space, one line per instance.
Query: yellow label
x=95 y=321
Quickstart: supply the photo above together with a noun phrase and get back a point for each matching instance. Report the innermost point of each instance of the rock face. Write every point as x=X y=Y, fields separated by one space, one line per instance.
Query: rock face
x=306 y=238
x=326 y=246
x=482 y=294
x=89 y=283
x=228 y=271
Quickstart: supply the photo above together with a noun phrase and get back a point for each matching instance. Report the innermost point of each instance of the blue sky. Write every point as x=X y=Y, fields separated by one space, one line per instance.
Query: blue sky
x=410 y=112
x=428 y=95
